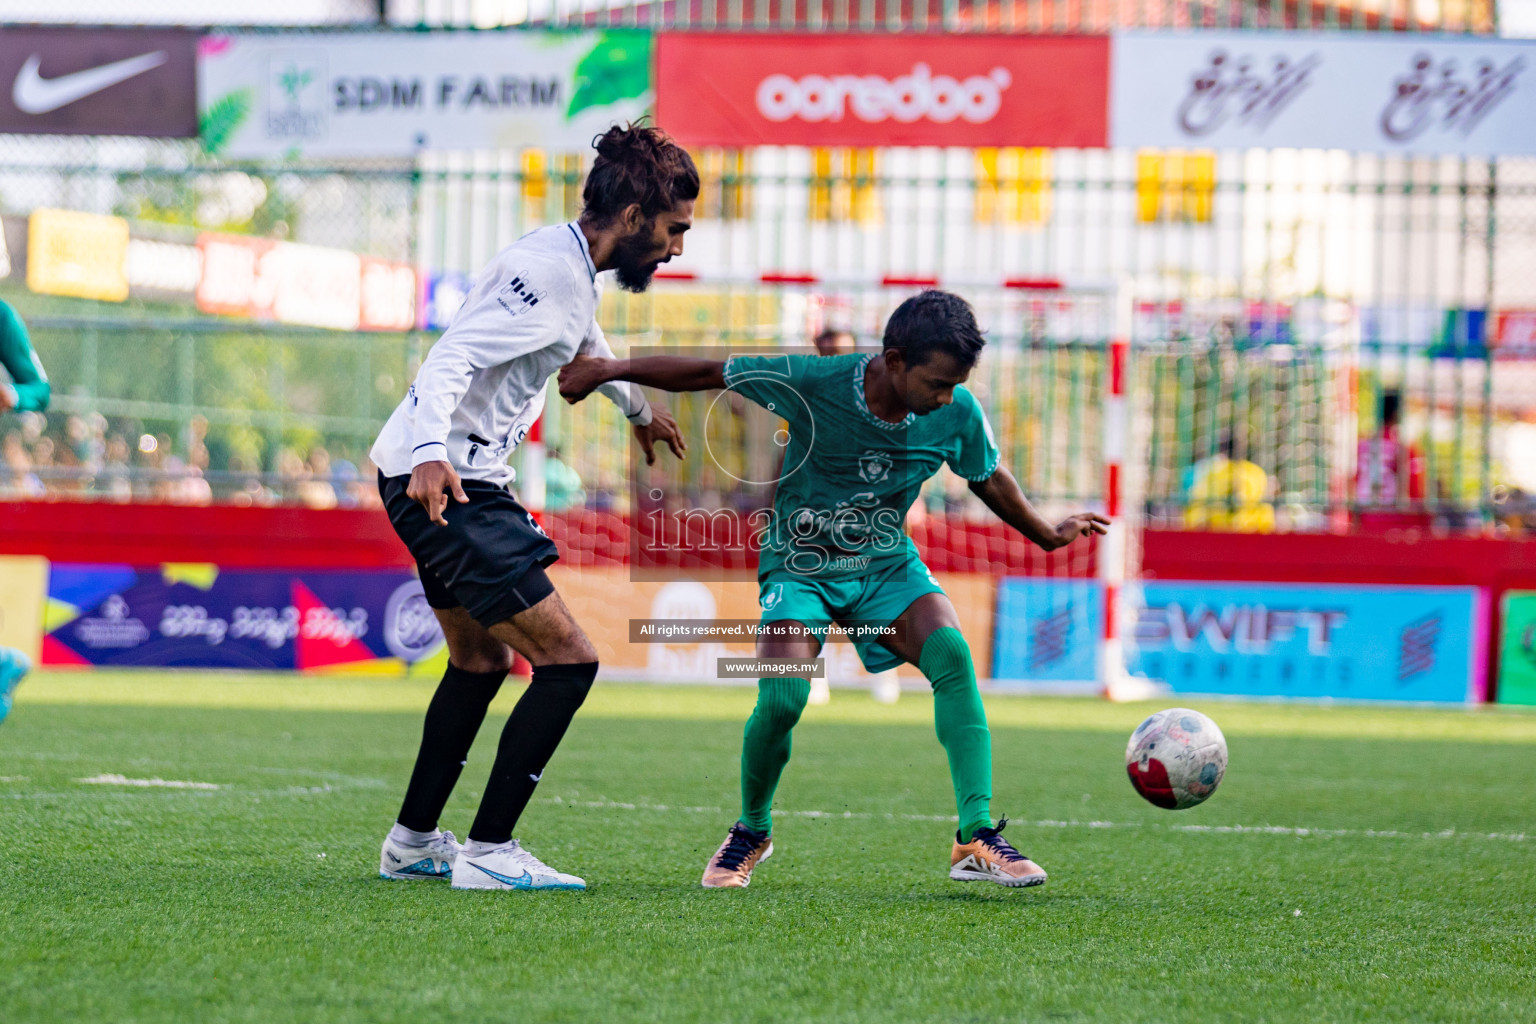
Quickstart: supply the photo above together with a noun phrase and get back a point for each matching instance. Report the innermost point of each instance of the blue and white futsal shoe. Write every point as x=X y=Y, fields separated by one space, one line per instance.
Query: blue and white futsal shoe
x=432 y=860
x=509 y=866
x=13 y=668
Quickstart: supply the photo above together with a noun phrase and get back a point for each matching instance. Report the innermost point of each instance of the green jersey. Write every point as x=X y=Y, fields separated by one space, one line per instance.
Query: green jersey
x=28 y=381
x=849 y=477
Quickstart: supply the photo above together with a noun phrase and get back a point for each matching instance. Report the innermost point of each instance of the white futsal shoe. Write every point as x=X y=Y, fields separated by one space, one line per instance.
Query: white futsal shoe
x=509 y=866
x=433 y=860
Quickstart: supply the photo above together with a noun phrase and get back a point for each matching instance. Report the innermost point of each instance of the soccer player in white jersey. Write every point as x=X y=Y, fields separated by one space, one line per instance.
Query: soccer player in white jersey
x=443 y=473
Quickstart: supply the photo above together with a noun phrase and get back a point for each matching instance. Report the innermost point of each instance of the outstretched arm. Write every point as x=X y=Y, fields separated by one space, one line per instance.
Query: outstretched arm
x=1000 y=492
x=669 y=373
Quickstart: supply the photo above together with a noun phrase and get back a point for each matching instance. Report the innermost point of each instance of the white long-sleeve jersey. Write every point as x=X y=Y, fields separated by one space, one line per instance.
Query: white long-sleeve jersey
x=482 y=386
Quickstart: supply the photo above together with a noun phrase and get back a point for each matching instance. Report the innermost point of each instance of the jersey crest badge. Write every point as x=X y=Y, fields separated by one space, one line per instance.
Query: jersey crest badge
x=875 y=467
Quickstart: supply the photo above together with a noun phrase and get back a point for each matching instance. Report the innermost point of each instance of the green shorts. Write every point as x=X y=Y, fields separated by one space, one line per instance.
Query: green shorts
x=863 y=604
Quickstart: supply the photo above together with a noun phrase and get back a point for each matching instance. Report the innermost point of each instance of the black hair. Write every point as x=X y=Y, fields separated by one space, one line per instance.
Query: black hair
x=1391 y=407
x=935 y=321
x=637 y=163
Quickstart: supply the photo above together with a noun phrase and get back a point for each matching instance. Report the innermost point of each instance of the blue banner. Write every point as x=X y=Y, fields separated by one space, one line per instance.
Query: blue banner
x=1047 y=629
x=1308 y=640
x=203 y=617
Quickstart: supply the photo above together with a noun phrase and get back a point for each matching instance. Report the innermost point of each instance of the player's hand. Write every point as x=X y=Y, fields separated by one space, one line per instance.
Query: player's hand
x=7 y=398
x=428 y=483
x=1080 y=525
x=581 y=376
x=661 y=428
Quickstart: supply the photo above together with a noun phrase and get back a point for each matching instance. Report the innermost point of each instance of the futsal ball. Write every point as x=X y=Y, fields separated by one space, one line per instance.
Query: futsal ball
x=1176 y=758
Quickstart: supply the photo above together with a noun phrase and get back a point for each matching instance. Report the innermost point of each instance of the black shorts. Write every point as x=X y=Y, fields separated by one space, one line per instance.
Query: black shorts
x=489 y=559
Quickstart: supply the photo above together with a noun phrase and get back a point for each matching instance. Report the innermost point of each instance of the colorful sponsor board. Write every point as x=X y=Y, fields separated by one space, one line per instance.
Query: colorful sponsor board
x=98 y=81
x=1048 y=629
x=394 y=94
x=1360 y=92
x=1517 y=648
x=303 y=284
x=84 y=255
x=1310 y=640
x=198 y=616
x=23 y=581
x=755 y=89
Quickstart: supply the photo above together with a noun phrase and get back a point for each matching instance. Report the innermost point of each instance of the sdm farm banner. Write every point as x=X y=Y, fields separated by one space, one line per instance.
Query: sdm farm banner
x=198 y=616
x=342 y=94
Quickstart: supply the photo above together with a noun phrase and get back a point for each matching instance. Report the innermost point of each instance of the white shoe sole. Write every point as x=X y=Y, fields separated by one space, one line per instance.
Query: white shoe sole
x=965 y=875
x=748 y=882
x=478 y=878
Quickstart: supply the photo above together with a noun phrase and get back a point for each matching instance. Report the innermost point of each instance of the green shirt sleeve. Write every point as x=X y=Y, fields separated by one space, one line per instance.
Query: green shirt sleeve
x=773 y=382
x=976 y=456
x=20 y=360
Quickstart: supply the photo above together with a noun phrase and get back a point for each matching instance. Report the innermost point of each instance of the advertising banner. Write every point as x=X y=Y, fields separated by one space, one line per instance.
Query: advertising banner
x=761 y=89
x=395 y=93
x=80 y=254
x=1310 y=640
x=1517 y=648
x=1355 y=91
x=1048 y=629
x=304 y=284
x=23 y=585
x=98 y=81
x=200 y=616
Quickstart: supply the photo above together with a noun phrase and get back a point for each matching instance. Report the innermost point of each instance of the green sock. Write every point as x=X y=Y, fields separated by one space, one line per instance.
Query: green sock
x=961 y=723
x=765 y=746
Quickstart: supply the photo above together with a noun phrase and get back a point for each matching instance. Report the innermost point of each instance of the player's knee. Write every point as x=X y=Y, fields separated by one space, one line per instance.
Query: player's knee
x=485 y=661
x=780 y=702
x=946 y=659
x=569 y=682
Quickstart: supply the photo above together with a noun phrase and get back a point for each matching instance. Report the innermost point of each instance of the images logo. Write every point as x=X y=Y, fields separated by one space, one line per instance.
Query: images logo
x=908 y=98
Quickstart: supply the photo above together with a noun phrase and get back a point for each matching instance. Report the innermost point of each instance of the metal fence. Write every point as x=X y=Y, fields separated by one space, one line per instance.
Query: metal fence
x=1284 y=299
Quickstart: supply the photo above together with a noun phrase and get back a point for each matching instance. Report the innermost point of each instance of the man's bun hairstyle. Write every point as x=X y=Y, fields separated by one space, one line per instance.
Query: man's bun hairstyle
x=637 y=163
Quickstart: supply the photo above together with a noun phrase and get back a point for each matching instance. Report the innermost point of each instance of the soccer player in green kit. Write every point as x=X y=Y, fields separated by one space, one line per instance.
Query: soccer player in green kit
x=865 y=432
x=27 y=391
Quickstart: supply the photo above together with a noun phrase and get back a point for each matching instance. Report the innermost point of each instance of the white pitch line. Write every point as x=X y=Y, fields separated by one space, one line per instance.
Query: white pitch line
x=107 y=779
x=1274 y=830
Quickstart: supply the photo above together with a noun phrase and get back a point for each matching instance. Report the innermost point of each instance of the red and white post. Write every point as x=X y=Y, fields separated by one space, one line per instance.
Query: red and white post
x=1111 y=560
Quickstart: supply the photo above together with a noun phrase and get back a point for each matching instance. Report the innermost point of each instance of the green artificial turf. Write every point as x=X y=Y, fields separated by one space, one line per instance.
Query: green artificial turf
x=1411 y=894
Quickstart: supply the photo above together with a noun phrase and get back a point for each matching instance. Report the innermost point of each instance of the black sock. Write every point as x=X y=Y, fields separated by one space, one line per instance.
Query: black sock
x=528 y=742
x=453 y=718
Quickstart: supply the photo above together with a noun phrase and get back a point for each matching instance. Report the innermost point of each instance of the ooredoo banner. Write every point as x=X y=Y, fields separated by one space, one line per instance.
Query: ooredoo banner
x=395 y=93
x=853 y=90
x=1354 y=91
x=200 y=616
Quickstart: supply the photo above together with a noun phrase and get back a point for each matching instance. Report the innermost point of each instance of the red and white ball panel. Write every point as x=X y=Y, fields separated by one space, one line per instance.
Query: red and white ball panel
x=1176 y=758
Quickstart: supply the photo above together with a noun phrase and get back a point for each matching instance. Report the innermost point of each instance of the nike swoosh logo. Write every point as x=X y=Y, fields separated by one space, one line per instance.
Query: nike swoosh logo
x=34 y=94
x=522 y=881
x=392 y=857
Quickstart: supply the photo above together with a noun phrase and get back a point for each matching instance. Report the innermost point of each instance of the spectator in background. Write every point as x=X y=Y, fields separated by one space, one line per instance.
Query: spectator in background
x=834 y=342
x=314 y=488
x=115 y=479
x=1226 y=493
x=1389 y=474
x=562 y=484
x=20 y=481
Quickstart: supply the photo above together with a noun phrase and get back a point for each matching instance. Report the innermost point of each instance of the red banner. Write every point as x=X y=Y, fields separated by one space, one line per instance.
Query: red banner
x=851 y=90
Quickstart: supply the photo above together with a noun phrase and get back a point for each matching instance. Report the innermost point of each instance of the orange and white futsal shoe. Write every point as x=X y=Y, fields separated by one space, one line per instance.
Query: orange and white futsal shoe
x=731 y=866
x=988 y=857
